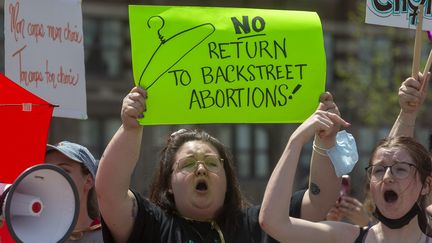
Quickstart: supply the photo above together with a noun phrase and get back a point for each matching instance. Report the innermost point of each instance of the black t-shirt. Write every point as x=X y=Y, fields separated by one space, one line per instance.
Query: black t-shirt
x=154 y=225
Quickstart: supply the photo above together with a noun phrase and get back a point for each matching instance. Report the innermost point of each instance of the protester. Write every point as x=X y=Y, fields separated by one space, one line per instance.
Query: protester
x=80 y=164
x=399 y=174
x=195 y=195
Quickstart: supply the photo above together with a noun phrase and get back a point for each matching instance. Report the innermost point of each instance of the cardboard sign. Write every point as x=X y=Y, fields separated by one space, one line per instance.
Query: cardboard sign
x=44 y=52
x=227 y=65
x=398 y=13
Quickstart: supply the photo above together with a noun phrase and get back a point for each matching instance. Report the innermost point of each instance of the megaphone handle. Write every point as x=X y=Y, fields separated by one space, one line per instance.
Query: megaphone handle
x=2 y=199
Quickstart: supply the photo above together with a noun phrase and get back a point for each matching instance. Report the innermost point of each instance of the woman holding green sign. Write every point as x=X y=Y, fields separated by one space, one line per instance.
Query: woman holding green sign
x=195 y=195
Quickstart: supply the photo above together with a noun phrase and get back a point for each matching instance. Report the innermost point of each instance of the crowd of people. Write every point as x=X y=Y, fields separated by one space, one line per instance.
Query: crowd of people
x=195 y=195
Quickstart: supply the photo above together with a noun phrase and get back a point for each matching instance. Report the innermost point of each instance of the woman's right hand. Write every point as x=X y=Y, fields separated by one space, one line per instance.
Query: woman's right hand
x=134 y=106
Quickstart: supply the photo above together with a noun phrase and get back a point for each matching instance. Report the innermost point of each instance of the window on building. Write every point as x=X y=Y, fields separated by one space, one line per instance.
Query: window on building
x=105 y=49
x=251 y=147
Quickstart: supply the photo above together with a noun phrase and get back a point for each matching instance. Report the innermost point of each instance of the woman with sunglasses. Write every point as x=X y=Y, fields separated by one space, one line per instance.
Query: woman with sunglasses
x=195 y=195
x=399 y=174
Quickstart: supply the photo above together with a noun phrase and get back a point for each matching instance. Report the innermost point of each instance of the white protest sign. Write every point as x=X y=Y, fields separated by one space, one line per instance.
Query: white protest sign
x=44 y=52
x=398 y=13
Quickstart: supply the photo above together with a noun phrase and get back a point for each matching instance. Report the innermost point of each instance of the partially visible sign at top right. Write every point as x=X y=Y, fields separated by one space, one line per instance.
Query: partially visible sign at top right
x=398 y=13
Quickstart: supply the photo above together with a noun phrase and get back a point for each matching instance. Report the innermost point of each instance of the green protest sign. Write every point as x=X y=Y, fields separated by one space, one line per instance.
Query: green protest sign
x=227 y=65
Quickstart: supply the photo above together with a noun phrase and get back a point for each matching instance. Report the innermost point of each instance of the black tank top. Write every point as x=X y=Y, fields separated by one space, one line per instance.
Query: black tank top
x=362 y=236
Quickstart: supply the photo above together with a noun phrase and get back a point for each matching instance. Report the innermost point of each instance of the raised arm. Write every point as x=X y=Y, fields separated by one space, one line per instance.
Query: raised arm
x=412 y=94
x=324 y=185
x=274 y=215
x=117 y=204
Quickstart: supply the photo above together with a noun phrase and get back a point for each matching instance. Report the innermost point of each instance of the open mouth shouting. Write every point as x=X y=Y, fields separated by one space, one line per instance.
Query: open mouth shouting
x=390 y=196
x=201 y=185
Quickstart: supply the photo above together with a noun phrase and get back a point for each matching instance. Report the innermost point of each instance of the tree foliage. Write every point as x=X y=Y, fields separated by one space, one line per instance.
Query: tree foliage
x=369 y=74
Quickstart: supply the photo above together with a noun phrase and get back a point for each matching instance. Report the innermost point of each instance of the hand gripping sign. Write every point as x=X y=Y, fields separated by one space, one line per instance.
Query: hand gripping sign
x=404 y=14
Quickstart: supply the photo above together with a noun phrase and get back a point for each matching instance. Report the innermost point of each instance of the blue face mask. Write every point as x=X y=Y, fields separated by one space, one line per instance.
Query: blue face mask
x=344 y=154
